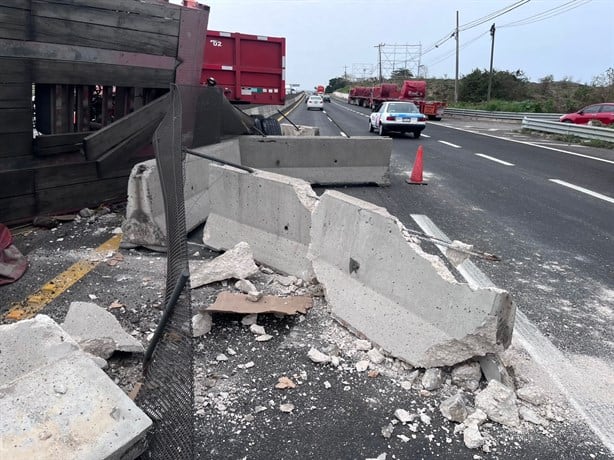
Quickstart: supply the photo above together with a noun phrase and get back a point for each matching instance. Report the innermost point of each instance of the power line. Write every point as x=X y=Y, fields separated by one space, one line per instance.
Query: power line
x=547 y=14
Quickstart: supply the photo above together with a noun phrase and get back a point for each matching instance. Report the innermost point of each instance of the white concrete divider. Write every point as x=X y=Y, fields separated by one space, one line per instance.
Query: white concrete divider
x=272 y=213
x=325 y=160
x=289 y=130
x=385 y=287
x=145 y=223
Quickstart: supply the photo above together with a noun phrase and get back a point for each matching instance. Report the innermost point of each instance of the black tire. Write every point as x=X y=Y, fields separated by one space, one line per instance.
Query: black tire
x=417 y=134
x=271 y=127
x=381 y=130
x=370 y=126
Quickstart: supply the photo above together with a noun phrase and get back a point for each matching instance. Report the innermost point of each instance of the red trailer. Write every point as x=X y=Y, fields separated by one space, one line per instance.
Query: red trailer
x=249 y=68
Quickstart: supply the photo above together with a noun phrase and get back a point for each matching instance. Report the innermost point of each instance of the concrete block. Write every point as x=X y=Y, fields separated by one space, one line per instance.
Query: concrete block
x=272 y=213
x=58 y=403
x=145 y=223
x=289 y=130
x=86 y=321
x=383 y=285
x=323 y=160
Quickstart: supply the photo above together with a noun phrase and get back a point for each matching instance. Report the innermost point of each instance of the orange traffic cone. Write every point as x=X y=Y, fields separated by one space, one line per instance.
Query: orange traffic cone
x=416 y=172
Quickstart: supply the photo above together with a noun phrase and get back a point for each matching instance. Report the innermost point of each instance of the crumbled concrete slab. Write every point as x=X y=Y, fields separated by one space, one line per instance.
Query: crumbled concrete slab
x=237 y=262
x=432 y=379
x=455 y=408
x=499 y=403
x=467 y=376
x=269 y=211
x=228 y=302
x=86 y=321
x=403 y=299
x=56 y=403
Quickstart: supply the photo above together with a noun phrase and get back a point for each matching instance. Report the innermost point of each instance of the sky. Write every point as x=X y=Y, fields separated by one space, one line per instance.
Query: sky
x=571 y=39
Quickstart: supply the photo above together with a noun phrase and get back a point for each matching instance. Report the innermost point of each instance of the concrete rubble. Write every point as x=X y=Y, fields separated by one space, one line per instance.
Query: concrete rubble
x=237 y=262
x=97 y=330
x=66 y=406
x=499 y=403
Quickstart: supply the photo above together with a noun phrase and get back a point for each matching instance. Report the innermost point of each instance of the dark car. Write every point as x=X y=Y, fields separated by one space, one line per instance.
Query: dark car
x=603 y=113
x=326 y=97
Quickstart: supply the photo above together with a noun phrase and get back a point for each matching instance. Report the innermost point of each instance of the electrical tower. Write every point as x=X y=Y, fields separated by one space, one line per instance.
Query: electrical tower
x=361 y=72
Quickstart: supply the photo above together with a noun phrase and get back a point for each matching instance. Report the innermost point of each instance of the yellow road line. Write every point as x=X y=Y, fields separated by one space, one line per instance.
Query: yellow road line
x=291 y=109
x=35 y=302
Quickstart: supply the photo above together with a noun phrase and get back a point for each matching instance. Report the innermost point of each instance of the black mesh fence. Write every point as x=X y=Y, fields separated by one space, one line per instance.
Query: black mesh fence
x=167 y=395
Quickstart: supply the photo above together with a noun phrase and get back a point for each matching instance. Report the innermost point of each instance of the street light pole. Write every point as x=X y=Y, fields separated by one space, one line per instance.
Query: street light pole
x=457 y=49
x=492 y=53
x=379 y=59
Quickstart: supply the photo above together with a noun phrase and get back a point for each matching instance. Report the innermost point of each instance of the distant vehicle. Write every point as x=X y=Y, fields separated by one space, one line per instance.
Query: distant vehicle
x=402 y=117
x=315 y=102
x=603 y=113
x=326 y=97
x=320 y=90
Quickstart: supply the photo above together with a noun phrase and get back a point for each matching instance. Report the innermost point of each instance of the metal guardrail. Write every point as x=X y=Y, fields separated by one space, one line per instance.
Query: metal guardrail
x=568 y=129
x=518 y=116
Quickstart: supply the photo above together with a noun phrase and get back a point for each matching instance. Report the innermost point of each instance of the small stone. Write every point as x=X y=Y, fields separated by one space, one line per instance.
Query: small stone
x=248 y=320
x=532 y=394
x=249 y=418
x=284 y=383
x=201 y=324
x=406 y=385
x=254 y=296
x=117 y=231
x=335 y=361
x=413 y=377
x=286 y=280
x=264 y=338
x=403 y=438
x=363 y=345
x=529 y=415
x=86 y=212
x=231 y=351
x=373 y=374
x=376 y=356
x=472 y=437
x=287 y=408
x=317 y=356
x=247 y=365
x=425 y=419
x=259 y=409
x=245 y=286
x=467 y=376
x=432 y=379
x=257 y=329
x=499 y=403
x=221 y=357
x=454 y=408
x=362 y=366
x=266 y=270
x=387 y=430
x=60 y=388
x=478 y=417
x=327 y=385
x=403 y=416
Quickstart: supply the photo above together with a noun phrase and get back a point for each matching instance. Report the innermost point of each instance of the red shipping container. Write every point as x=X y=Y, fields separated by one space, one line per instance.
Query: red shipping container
x=249 y=68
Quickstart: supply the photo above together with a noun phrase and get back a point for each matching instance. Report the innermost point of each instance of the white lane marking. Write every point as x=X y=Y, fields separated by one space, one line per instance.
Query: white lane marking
x=330 y=119
x=494 y=159
x=451 y=144
x=583 y=190
x=343 y=134
x=532 y=144
x=598 y=415
x=426 y=135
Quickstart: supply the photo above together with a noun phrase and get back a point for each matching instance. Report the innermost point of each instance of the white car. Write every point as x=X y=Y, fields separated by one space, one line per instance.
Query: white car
x=402 y=117
x=315 y=102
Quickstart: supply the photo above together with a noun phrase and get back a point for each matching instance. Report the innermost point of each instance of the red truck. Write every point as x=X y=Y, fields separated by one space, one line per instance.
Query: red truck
x=411 y=91
x=249 y=68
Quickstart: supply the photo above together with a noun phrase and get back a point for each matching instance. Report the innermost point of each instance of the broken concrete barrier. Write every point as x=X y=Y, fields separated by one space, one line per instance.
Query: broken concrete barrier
x=237 y=262
x=406 y=301
x=272 y=213
x=56 y=403
x=290 y=130
x=323 y=160
x=145 y=223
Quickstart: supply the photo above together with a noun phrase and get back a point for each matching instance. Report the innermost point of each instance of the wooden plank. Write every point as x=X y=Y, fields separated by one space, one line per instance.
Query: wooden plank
x=14 y=22
x=152 y=8
x=16 y=96
x=13 y=70
x=18 y=209
x=64 y=174
x=98 y=143
x=69 y=198
x=14 y=145
x=15 y=121
x=112 y=18
x=46 y=71
x=16 y=182
x=105 y=37
x=119 y=160
x=55 y=140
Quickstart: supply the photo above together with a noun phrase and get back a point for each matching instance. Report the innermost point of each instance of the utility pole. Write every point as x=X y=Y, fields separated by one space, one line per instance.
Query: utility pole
x=457 y=49
x=379 y=60
x=492 y=53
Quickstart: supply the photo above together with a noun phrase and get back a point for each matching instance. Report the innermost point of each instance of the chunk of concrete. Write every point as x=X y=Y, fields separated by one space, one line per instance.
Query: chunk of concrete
x=145 y=223
x=467 y=376
x=384 y=286
x=499 y=403
x=270 y=212
x=56 y=403
x=290 y=130
x=455 y=408
x=326 y=160
x=86 y=321
x=238 y=262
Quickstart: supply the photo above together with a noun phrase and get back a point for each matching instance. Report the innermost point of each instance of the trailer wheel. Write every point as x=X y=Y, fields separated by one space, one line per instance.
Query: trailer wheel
x=271 y=127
